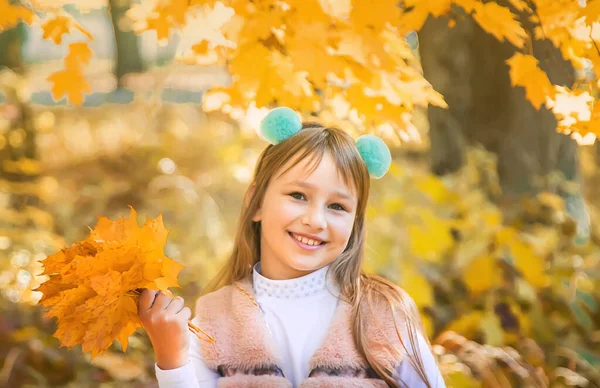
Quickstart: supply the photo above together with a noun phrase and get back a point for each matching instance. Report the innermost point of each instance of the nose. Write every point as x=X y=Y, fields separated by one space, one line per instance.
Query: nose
x=314 y=217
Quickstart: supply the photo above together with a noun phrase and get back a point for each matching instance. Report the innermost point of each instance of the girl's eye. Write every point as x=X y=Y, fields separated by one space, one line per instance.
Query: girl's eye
x=337 y=206
x=298 y=196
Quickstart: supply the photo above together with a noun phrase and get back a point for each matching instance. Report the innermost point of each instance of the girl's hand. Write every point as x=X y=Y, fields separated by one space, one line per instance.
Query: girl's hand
x=166 y=322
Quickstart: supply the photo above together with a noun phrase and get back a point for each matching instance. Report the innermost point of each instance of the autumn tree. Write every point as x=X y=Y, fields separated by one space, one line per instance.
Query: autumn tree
x=469 y=67
x=348 y=63
x=18 y=168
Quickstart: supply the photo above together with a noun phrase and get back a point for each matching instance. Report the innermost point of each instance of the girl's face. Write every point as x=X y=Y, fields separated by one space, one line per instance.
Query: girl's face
x=306 y=219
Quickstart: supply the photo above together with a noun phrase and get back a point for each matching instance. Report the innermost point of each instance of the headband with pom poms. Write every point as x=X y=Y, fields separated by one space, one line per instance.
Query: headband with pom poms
x=280 y=124
x=283 y=122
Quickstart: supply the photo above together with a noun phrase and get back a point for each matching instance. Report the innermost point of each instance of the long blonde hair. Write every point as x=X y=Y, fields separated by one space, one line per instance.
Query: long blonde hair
x=356 y=287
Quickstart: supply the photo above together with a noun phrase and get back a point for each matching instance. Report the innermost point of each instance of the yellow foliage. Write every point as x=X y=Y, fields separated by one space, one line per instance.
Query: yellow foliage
x=524 y=71
x=420 y=10
x=522 y=256
x=92 y=285
x=468 y=324
x=435 y=189
x=492 y=329
x=374 y=14
x=11 y=14
x=430 y=237
x=576 y=111
x=500 y=22
x=459 y=379
x=55 y=28
x=416 y=285
x=355 y=47
x=71 y=81
x=482 y=274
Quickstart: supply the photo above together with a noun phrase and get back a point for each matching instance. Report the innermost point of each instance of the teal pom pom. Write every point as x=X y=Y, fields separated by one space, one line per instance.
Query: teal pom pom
x=375 y=153
x=280 y=124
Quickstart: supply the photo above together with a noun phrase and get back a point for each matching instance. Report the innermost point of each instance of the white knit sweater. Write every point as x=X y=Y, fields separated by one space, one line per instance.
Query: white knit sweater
x=298 y=312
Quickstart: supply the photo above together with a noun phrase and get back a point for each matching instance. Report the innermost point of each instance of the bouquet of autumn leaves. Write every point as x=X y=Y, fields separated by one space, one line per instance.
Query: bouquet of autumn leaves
x=94 y=285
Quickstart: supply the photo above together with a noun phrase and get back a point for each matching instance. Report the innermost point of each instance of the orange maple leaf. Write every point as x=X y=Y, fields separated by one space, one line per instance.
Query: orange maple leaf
x=92 y=285
x=55 y=28
x=500 y=22
x=79 y=54
x=524 y=71
x=591 y=11
x=166 y=15
x=10 y=15
x=70 y=83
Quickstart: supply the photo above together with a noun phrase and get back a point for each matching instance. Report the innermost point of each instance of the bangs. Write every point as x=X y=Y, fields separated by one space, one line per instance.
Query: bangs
x=316 y=141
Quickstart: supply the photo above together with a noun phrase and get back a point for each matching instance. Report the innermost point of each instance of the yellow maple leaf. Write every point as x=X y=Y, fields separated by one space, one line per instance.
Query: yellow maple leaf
x=524 y=71
x=92 y=289
x=420 y=10
x=159 y=16
x=375 y=14
x=306 y=10
x=500 y=22
x=79 y=54
x=55 y=28
x=585 y=131
x=591 y=12
x=467 y=5
x=69 y=83
x=11 y=14
x=307 y=49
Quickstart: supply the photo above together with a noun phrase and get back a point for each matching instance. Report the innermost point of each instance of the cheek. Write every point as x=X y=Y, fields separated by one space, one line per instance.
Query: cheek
x=280 y=211
x=342 y=227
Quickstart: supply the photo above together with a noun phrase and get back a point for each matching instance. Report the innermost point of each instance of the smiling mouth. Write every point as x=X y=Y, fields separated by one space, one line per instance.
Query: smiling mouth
x=306 y=241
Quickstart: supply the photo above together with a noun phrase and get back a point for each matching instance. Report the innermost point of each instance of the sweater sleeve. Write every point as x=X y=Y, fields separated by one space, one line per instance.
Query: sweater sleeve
x=407 y=375
x=194 y=374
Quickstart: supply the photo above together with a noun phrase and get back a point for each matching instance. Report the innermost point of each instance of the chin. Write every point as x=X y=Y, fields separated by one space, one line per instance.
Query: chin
x=307 y=265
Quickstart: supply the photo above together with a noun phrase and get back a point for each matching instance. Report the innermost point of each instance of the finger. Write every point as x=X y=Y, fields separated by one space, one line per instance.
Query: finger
x=161 y=302
x=176 y=305
x=146 y=299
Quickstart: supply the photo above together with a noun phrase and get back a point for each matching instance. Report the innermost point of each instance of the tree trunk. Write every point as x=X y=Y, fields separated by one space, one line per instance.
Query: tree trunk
x=128 y=59
x=20 y=136
x=11 y=42
x=468 y=66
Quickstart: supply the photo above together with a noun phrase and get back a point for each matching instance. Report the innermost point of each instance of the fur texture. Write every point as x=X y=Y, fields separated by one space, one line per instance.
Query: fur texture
x=244 y=348
x=337 y=382
x=338 y=349
x=227 y=315
x=246 y=381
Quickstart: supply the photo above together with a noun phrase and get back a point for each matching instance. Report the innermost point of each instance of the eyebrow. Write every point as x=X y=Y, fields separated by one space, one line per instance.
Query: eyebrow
x=341 y=194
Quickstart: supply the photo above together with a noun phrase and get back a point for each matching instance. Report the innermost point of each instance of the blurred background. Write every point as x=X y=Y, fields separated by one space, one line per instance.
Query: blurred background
x=488 y=217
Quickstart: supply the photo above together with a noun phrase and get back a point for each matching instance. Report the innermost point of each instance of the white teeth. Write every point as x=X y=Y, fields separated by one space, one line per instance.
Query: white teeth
x=305 y=240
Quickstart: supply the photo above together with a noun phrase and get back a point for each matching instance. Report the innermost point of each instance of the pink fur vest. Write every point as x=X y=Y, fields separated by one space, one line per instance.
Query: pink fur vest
x=245 y=355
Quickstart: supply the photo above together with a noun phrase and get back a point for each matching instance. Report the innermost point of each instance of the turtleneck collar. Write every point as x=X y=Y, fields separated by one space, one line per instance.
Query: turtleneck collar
x=304 y=286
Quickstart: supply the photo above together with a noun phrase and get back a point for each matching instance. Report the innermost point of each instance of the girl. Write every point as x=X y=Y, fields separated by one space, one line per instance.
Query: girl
x=292 y=306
